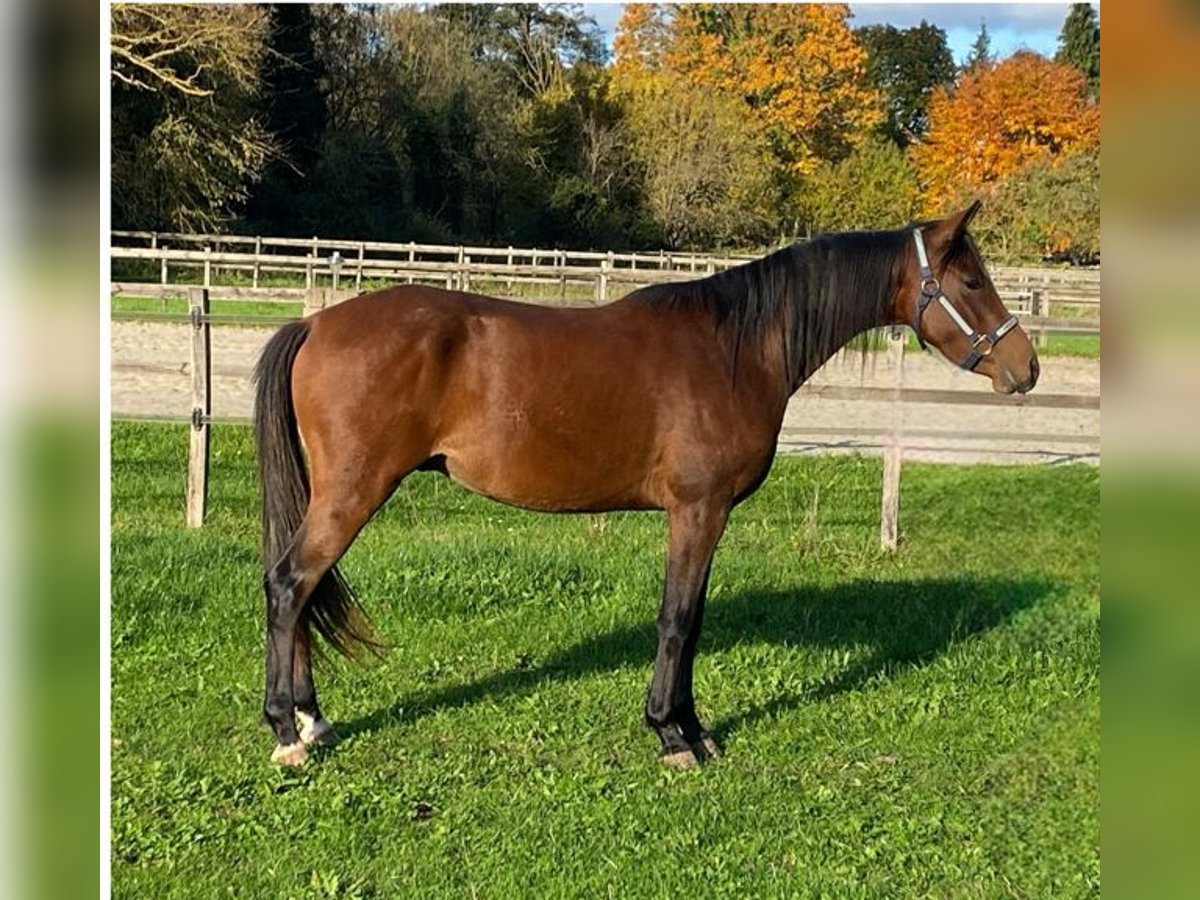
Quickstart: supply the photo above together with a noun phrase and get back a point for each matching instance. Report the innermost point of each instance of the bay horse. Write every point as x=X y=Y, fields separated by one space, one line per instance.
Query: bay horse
x=670 y=399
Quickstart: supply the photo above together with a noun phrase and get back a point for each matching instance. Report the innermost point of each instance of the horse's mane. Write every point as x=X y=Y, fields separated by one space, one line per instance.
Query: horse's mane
x=813 y=294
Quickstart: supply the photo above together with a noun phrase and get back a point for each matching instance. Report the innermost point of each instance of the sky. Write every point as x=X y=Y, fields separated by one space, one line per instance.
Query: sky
x=1012 y=26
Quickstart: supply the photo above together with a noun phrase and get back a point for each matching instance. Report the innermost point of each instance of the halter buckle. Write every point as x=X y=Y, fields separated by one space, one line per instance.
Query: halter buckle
x=982 y=339
x=931 y=287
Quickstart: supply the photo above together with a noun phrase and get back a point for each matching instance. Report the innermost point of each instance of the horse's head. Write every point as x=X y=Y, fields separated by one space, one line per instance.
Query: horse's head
x=948 y=298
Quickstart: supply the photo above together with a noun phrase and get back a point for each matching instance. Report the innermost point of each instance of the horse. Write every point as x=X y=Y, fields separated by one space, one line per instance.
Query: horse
x=671 y=398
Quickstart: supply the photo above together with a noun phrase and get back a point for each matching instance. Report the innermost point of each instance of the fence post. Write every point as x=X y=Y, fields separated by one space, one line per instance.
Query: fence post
x=358 y=275
x=465 y=279
x=314 y=301
x=257 y=260
x=889 y=517
x=207 y=265
x=602 y=281
x=1036 y=311
x=510 y=262
x=197 y=481
x=166 y=248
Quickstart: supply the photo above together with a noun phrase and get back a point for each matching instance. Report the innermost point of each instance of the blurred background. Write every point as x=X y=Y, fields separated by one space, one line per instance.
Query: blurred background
x=50 y=449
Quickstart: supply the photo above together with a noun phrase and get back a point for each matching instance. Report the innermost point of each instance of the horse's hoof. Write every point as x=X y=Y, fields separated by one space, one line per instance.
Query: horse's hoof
x=711 y=748
x=315 y=731
x=292 y=755
x=680 y=759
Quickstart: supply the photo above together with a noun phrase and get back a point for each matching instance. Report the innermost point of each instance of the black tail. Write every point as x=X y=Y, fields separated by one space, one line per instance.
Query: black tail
x=332 y=608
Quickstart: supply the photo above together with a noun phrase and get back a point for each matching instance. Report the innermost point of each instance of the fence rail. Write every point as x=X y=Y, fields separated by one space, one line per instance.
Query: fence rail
x=335 y=263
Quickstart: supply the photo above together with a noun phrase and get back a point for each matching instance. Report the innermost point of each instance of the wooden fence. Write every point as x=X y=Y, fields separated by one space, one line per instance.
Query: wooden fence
x=894 y=436
x=240 y=267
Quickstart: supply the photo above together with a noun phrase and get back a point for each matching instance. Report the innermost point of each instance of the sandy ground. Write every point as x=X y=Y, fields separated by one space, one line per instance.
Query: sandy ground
x=151 y=377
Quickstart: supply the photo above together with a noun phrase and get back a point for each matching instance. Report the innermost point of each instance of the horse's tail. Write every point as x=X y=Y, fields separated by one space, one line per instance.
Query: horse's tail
x=331 y=609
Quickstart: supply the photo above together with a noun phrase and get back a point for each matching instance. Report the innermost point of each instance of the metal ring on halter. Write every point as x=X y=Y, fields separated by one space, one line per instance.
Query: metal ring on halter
x=981 y=339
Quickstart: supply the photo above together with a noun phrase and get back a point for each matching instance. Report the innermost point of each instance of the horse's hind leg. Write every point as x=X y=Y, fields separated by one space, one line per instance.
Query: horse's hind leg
x=288 y=587
x=328 y=528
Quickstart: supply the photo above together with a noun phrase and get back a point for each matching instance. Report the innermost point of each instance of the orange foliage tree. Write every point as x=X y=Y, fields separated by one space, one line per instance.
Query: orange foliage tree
x=799 y=67
x=1000 y=120
x=641 y=38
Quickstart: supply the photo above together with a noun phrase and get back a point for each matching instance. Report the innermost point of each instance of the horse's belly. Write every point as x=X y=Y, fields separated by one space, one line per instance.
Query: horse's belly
x=519 y=475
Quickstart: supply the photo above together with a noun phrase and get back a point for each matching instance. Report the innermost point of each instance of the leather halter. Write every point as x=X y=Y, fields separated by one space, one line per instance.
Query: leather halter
x=982 y=343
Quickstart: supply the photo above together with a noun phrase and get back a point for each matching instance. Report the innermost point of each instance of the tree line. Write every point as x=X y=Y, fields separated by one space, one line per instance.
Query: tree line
x=708 y=126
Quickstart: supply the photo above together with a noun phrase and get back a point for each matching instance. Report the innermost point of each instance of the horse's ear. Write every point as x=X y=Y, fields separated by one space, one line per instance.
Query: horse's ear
x=951 y=228
x=967 y=215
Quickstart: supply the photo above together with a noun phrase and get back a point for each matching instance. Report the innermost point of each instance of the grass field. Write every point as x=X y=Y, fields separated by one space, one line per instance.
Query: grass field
x=926 y=723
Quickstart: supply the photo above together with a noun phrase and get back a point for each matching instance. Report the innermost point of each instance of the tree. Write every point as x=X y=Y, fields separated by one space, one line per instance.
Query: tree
x=980 y=56
x=643 y=32
x=435 y=122
x=797 y=67
x=706 y=173
x=874 y=188
x=294 y=110
x=999 y=120
x=1050 y=210
x=187 y=144
x=906 y=65
x=1079 y=44
x=531 y=42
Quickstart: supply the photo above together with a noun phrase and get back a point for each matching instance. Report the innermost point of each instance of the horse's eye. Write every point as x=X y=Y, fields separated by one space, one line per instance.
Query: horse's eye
x=972 y=284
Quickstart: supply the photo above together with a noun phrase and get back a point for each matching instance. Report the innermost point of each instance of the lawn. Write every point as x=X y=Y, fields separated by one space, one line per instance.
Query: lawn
x=923 y=723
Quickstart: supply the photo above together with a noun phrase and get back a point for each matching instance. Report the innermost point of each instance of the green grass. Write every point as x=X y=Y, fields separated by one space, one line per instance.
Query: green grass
x=924 y=723
x=1085 y=346
x=179 y=306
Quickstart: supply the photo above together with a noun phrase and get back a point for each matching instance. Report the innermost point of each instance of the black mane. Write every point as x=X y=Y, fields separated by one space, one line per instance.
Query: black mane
x=816 y=295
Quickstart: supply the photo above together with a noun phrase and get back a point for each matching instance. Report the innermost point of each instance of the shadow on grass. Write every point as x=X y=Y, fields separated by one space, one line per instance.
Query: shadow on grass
x=905 y=623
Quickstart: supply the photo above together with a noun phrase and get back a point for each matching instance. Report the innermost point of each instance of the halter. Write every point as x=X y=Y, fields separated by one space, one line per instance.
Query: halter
x=982 y=343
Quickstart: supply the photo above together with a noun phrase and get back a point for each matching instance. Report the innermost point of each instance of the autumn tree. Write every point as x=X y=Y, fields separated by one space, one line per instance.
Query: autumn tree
x=1048 y=211
x=1079 y=44
x=187 y=143
x=706 y=174
x=905 y=65
x=999 y=120
x=643 y=32
x=798 y=67
x=706 y=169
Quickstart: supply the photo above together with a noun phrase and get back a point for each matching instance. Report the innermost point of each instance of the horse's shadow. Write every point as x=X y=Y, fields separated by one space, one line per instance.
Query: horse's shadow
x=904 y=623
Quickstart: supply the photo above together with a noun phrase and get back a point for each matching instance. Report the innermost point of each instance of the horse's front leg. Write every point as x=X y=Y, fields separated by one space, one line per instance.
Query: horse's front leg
x=695 y=530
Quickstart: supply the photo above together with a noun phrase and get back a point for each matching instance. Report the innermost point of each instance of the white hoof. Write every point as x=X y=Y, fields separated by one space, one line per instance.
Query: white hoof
x=292 y=755
x=315 y=731
x=681 y=759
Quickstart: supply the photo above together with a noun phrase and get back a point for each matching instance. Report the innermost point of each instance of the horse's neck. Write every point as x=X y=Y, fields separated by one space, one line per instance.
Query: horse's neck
x=841 y=333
